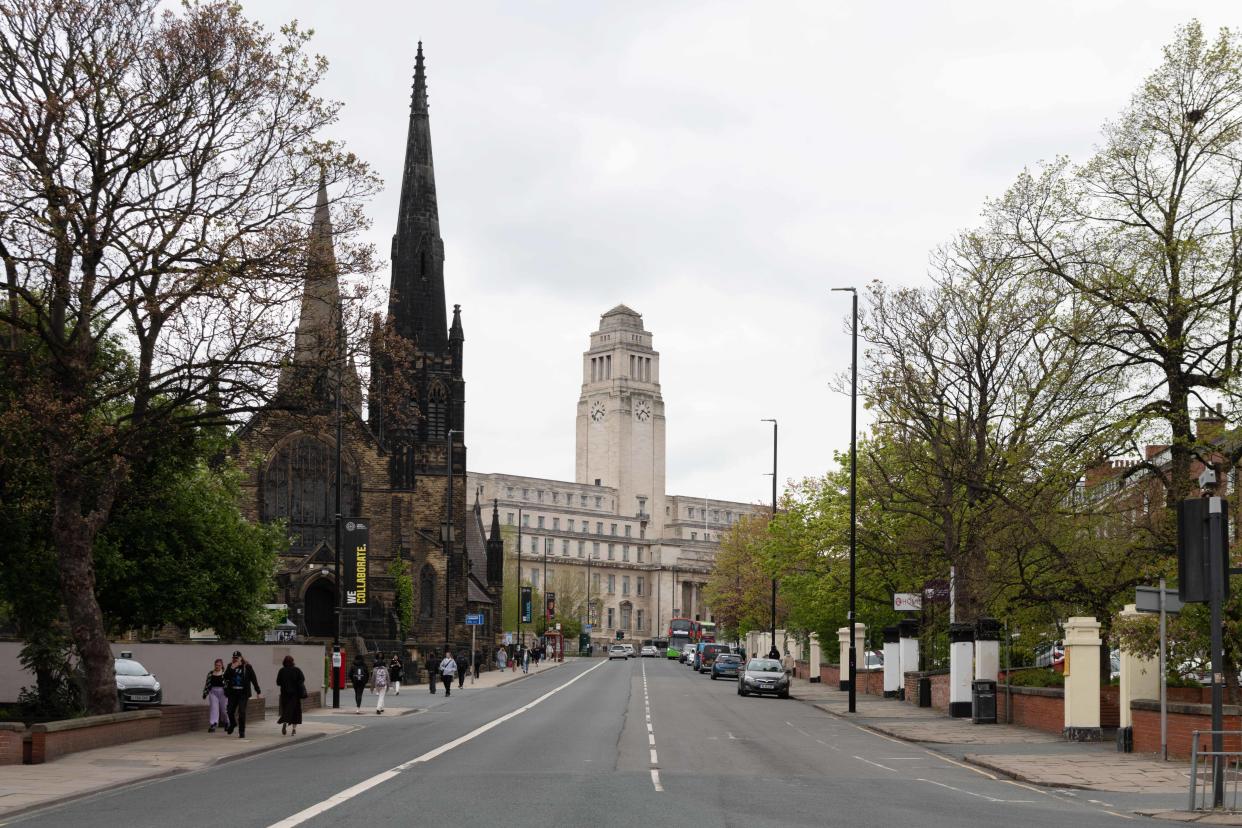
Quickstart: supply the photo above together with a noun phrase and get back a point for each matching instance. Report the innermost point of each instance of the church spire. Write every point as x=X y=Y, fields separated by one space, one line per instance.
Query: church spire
x=416 y=302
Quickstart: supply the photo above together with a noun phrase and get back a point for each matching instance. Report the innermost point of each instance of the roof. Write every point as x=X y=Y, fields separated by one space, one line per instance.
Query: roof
x=476 y=553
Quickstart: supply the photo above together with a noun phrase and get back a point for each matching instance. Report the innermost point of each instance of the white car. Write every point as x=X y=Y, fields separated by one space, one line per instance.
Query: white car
x=617 y=651
x=648 y=652
x=629 y=651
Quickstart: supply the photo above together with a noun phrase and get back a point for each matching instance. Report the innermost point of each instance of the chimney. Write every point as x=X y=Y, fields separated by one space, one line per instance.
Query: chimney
x=1209 y=424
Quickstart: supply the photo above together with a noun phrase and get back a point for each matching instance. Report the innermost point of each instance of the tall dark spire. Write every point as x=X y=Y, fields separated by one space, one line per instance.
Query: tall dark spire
x=416 y=302
x=495 y=546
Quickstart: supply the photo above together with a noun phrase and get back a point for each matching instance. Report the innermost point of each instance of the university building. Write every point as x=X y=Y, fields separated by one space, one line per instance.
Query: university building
x=637 y=555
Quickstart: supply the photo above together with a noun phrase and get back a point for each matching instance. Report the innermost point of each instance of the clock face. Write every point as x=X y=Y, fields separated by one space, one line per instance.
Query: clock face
x=597 y=411
x=642 y=411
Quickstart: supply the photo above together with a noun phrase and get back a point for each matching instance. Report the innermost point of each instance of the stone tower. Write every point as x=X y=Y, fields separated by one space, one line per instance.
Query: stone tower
x=620 y=424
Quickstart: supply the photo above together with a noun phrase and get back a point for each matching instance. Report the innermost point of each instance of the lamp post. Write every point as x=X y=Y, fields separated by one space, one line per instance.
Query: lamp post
x=336 y=546
x=518 y=579
x=853 y=485
x=448 y=534
x=774 y=444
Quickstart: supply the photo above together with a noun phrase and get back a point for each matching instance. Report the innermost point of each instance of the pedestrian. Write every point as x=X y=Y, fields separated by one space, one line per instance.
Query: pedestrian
x=502 y=656
x=448 y=668
x=474 y=659
x=358 y=676
x=432 y=666
x=217 y=703
x=462 y=667
x=292 y=684
x=394 y=674
x=379 y=683
x=513 y=659
x=775 y=654
x=238 y=679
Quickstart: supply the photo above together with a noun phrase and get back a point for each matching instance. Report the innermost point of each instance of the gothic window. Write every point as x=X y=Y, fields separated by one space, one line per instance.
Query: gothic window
x=437 y=412
x=427 y=592
x=299 y=487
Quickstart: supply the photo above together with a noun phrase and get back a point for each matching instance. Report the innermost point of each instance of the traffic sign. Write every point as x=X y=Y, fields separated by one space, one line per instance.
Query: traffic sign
x=1147 y=599
x=907 y=601
x=586 y=627
x=474 y=619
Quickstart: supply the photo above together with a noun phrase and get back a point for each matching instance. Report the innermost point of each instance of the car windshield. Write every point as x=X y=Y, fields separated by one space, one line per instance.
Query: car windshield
x=765 y=665
x=126 y=667
x=725 y=658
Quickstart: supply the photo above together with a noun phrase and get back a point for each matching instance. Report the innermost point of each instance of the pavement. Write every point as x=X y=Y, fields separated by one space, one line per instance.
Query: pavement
x=25 y=788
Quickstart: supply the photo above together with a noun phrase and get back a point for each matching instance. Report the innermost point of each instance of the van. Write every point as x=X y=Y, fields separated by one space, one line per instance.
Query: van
x=707 y=655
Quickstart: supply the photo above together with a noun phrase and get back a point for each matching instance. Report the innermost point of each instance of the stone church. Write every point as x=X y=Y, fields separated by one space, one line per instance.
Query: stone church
x=402 y=466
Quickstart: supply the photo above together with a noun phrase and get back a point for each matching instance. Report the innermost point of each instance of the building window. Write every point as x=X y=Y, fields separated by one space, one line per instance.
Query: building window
x=547 y=545
x=571 y=524
x=612 y=586
x=640 y=587
x=595 y=551
x=541 y=526
x=539 y=494
x=614 y=531
x=555 y=496
x=598 y=500
x=611 y=554
x=625 y=585
x=508 y=491
x=625 y=552
x=509 y=518
x=584 y=499
x=526 y=520
x=565 y=548
x=525 y=494
x=627 y=530
x=437 y=412
x=581 y=548
x=427 y=592
x=534 y=544
x=599 y=528
x=611 y=619
x=640 y=554
x=642 y=531
x=640 y=621
x=627 y=611
x=594 y=584
x=556 y=523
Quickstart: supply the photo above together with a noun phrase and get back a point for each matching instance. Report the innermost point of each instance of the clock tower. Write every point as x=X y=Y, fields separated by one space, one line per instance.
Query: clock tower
x=620 y=426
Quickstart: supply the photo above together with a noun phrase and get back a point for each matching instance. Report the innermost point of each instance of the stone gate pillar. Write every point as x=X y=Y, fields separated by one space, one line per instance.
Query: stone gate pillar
x=892 y=663
x=908 y=648
x=1140 y=677
x=1082 y=679
x=814 y=659
x=961 y=658
x=843 y=645
x=987 y=649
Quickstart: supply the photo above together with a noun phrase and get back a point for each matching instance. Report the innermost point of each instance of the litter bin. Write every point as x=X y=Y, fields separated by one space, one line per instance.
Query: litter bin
x=925 y=699
x=983 y=701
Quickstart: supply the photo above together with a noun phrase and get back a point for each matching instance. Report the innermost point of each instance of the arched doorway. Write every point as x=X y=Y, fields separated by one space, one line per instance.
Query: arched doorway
x=319 y=601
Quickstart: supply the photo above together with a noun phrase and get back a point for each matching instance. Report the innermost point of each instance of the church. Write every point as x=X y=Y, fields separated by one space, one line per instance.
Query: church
x=402 y=462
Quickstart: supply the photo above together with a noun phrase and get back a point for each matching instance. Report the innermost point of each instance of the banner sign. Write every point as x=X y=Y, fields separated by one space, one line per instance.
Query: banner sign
x=525 y=603
x=354 y=559
x=936 y=591
x=906 y=601
x=550 y=605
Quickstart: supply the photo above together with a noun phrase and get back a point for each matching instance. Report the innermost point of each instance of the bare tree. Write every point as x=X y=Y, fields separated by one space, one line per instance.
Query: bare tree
x=157 y=175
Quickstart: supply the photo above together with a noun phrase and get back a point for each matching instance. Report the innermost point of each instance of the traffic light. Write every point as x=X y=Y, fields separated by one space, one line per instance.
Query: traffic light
x=620 y=634
x=1193 y=543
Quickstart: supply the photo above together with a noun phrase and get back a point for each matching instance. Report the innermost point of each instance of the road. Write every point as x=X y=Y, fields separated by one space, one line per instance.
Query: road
x=589 y=744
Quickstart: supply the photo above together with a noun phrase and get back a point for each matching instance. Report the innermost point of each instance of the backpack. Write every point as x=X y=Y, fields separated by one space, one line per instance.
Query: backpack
x=359 y=673
x=381 y=676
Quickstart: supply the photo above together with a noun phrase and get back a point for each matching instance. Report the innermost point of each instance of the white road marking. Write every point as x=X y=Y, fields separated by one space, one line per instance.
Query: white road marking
x=649 y=730
x=367 y=784
x=979 y=795
x=800 y=730
x=655 y=780
x=1092 y=801
x=654 y=761
x=651 y=738
x=1114 y=813
x=869 y=762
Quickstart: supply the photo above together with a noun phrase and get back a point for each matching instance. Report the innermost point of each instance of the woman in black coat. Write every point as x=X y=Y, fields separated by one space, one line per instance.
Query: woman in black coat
x=292 y=684
x=358 y=675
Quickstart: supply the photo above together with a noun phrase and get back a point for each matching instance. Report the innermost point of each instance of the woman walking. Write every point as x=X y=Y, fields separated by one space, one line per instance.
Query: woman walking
x=213 y=691
x=502 y=655
x=358 y=676
x=238 y=679
x=292 y=684
x=394 y=674
x=463 y=666
x=431 y=671
x=448 y=669
x=379 y=683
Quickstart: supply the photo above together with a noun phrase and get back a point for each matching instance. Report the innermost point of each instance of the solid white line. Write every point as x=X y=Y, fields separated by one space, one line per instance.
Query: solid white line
x=654 y=761
x=366 y=784
x=655 y=780
x=869 y=762
x=979 y=795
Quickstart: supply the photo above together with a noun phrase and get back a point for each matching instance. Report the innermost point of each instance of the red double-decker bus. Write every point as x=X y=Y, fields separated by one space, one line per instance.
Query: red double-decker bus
x=682 y=631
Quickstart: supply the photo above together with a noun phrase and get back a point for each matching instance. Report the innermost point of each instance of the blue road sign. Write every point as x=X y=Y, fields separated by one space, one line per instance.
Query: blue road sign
x=474 y=619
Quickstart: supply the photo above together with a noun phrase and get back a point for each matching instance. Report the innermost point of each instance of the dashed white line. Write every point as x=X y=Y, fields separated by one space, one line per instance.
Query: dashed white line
x=655 y=779
x=656 y=761
x=869 y=762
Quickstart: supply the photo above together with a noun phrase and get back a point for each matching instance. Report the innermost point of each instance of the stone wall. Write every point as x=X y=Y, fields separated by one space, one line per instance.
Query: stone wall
x=939 y=687
x=53 y=739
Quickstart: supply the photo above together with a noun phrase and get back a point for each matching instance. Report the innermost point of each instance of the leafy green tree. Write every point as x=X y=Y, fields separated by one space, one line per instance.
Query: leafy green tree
x=403 y=602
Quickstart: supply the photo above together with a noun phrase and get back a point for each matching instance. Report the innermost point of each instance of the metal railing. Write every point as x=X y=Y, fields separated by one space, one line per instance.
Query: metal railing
x=1212 y=779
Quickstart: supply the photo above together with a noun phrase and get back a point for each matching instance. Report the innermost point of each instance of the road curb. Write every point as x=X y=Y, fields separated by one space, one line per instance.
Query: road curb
x=521 y=676
x=1204 y=817
x=982 y=762
x=155 y=776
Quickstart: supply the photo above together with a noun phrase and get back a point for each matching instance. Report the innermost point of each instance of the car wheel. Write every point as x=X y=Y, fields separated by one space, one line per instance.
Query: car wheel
x=714 y=675
x=784 y=694
x=742 y=691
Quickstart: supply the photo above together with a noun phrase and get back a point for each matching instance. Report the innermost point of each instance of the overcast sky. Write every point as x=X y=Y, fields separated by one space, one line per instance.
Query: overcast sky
x=717 y=166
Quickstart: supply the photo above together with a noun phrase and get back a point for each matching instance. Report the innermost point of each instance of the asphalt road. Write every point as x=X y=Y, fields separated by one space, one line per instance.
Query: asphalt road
x=589 y=744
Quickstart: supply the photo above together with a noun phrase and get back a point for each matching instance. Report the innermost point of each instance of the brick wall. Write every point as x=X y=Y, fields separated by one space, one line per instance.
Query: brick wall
x=1110 y=706
x=1040 y=708
x=939 y=687
x=11 y=734
x=1183 y=720
x=53 y=739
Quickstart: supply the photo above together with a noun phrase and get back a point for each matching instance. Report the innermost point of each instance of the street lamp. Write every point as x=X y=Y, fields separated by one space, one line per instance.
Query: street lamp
x=448 y=533
x=853 y=484
x=774 y=435
x=518 y=579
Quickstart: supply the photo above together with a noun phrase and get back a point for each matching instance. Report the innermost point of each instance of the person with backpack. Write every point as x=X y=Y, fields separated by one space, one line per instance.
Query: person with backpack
x=379 y=683
x=238 y=679
x=463 y=667
x=394 y=674
x=358 y=676
x=448 y=669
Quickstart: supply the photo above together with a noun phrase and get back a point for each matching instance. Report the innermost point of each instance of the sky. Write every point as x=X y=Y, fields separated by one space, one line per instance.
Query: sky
x=718 y=167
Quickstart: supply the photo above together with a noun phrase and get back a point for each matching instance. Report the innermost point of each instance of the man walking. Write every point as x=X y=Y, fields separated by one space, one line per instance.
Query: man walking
x=463 y=666
x=431 y=671
x=238 y=679
x=448 y=669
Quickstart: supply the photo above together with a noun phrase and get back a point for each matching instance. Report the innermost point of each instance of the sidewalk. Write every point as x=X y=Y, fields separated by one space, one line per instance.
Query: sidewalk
x=1015 y=752
x=28 y=787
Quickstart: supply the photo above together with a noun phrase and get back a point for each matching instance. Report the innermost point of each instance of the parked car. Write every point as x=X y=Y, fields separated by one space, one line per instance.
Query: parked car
x=629 y=651
x=708 y=655
x=872 y=660
x=1050 y=655
x=617 y=651
x=687 y=654
x=135 y=686
x=727 y=665
x=763 y=675
x=648 y=651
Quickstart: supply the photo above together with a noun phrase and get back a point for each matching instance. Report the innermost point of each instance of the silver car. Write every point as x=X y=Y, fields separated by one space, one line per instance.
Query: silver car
x=135 y=686
x=763 y=675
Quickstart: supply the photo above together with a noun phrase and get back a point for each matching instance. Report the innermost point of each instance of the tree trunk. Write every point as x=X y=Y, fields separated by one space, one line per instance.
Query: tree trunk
x=74 y=536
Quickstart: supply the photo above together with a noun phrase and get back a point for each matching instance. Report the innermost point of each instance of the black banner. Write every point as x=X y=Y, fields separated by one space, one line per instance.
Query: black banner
x=550 y=606
x=525 y=603
x=354 y=559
